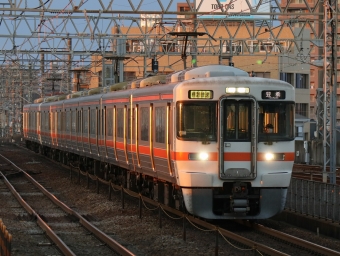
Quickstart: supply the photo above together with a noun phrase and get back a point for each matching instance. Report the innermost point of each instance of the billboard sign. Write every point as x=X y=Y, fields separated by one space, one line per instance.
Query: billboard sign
x=232 y=9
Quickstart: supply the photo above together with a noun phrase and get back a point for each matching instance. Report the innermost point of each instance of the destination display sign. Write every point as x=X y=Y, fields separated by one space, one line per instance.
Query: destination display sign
x=200 y=94
x=273 y=95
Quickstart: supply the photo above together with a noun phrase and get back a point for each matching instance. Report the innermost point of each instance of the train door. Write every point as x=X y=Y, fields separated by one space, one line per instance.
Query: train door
x=238 y=138
x=54 y=127
x=79 y=130
x=144 y=137
x=85 y=131
x=103 y=132
x=135 y=138
x=127 y=134
x=39 y=126
x=98 y=128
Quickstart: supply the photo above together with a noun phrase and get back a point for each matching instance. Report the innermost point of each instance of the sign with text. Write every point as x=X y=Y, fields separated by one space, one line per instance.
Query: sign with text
x=232 y=9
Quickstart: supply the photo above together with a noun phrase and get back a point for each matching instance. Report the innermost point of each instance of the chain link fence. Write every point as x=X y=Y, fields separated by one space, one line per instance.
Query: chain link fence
x=316 y=199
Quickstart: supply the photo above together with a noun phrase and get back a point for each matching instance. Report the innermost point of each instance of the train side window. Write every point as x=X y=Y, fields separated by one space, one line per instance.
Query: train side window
x=85 y=121
x=160 y=124
x=144 y=123
x=78 y=121
x=59 y=121
x=63 y=122
x=92 y=121
x=129 y=123
x=103 y=122
x=109 y=122
x=120 y=122
x=68 y=116
x=51 y=128
x=73 y=121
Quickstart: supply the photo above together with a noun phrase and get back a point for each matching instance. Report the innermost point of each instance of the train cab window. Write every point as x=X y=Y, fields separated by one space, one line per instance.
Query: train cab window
x=144 y=123
x=237 y=120
x=276 y=121
x=197 y=121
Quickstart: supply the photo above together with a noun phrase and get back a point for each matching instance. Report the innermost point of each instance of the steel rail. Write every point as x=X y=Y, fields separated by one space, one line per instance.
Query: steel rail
x=86 y=224
x=291 y=239
x=53 y=236
x=245 y=241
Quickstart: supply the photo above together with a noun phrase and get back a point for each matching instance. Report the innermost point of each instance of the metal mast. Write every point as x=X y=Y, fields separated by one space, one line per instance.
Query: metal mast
x=329 y=128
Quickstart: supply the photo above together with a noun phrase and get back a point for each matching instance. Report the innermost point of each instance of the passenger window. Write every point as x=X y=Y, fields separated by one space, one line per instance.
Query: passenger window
x=144 y=123
x=160 y=124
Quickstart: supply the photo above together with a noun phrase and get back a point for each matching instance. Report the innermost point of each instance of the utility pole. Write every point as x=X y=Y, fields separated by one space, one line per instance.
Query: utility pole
x=328 y=129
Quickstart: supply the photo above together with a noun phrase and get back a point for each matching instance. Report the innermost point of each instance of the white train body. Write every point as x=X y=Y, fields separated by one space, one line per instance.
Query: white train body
x=222 y=139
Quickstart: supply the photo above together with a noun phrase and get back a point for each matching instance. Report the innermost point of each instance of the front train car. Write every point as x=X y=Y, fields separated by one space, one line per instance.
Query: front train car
x=233 y=151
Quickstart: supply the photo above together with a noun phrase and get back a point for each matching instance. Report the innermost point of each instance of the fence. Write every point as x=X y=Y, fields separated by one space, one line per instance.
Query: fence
x=5 y=240
x=316 y=199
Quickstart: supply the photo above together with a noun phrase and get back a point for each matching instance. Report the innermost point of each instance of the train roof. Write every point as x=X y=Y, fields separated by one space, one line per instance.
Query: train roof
x=157 y=80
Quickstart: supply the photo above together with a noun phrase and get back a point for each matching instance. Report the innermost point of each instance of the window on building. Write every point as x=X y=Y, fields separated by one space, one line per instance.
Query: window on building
x=266 y=46
x=301 y=109
x=252 y=46
x=287 y=77
x=228 y=47
x=301 y=81
x=262 y=74
x=169 y=46
x=137 y=46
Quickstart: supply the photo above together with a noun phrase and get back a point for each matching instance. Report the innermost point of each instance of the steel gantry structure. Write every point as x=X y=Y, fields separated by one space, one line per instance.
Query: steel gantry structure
x=50 y=41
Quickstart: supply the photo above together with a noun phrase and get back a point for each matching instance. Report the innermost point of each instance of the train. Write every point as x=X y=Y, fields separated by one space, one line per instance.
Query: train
x=209 y=140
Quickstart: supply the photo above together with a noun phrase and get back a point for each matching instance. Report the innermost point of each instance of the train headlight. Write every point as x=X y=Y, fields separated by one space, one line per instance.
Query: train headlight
x=203 y=156
x=237 y=90
x=269 y=156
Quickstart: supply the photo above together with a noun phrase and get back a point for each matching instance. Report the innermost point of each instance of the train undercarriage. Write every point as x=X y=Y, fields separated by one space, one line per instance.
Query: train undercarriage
x=158 y=190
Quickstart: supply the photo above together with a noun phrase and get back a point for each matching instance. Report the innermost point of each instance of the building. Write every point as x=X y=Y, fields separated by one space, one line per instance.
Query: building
x=136 y=48
x=316 y=48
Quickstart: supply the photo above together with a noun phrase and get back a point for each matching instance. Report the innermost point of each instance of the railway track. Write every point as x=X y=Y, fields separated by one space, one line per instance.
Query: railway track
x=243 y=243
x=68 y=230
x=312 y=172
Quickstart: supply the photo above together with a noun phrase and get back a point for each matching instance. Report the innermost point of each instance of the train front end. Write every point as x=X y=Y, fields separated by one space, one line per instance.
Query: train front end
x=234 y=146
